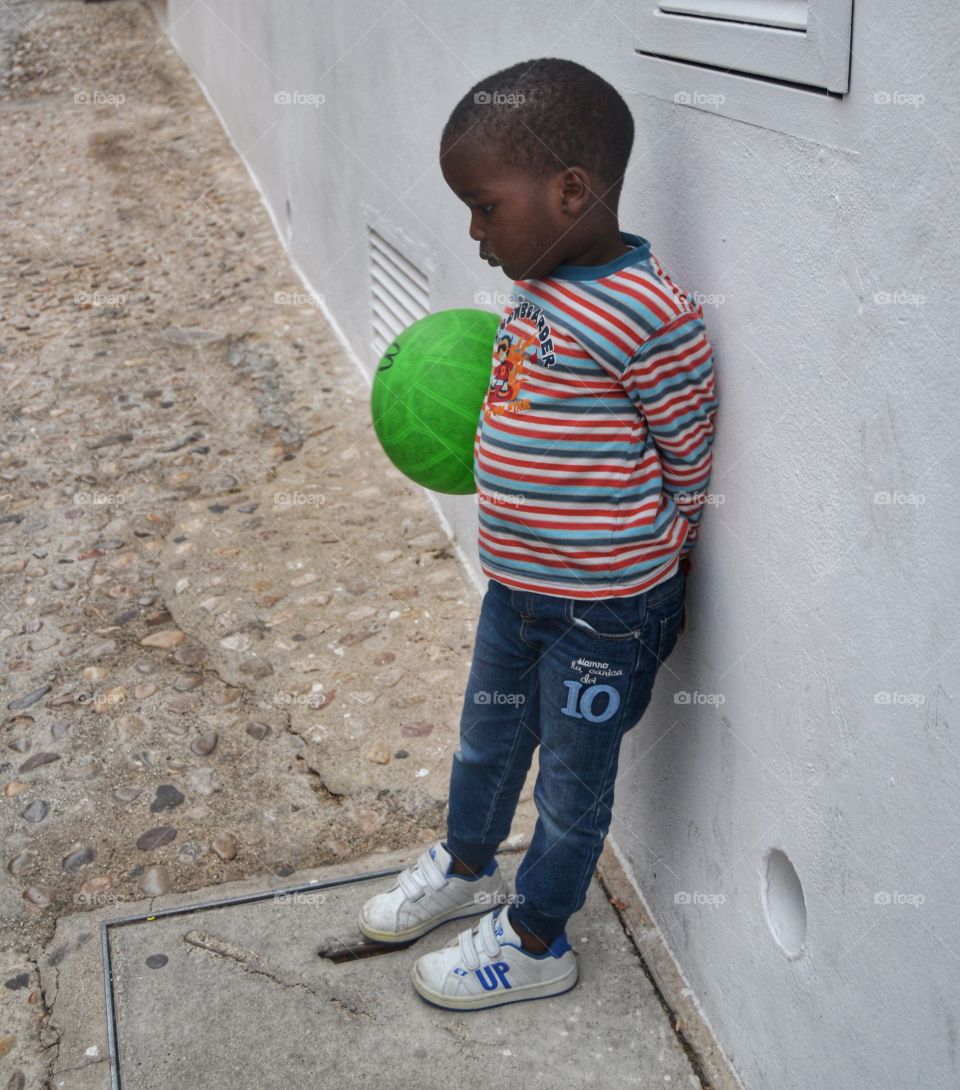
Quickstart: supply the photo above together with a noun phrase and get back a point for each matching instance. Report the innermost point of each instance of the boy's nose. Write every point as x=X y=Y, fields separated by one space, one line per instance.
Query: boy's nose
x=476 y=232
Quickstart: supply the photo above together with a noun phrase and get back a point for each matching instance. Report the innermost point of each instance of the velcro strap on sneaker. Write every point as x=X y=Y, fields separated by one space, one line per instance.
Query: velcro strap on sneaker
x=430 y=869
x=469 y=954
x=412 y=889
x=415 y=880
x=487 y=937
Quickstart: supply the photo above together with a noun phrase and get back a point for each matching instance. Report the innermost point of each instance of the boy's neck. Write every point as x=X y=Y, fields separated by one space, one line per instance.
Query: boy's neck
x=605 y=249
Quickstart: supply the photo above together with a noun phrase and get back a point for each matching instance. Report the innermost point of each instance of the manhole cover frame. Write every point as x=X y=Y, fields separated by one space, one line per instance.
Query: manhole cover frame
x=106 y=950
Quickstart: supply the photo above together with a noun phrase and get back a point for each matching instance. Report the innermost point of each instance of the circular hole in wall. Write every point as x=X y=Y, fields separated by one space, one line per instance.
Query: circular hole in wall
x=783 y=904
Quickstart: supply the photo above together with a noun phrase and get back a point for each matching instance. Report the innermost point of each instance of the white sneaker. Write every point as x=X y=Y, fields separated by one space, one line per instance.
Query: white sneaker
x=486 y=966
x=426 y=894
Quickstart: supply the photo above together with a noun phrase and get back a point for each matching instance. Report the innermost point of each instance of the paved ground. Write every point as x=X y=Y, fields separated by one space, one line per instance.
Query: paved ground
x=238 y=996
x=233 y=639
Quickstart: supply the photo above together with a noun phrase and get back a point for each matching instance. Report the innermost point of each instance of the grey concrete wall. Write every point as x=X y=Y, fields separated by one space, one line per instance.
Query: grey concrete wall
x=788 y=804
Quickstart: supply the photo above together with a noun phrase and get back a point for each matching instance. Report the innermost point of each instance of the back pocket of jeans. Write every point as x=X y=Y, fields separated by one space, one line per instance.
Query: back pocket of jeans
x=669 y=633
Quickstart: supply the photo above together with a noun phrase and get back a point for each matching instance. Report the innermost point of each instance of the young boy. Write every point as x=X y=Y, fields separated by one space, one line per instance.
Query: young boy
x=591 y=471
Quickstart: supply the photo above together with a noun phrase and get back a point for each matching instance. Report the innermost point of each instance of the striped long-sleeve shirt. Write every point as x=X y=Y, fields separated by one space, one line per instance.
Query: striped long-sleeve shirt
x=593 y=449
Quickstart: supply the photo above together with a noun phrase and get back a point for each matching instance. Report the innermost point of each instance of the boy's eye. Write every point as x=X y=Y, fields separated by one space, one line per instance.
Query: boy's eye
x=487 y=208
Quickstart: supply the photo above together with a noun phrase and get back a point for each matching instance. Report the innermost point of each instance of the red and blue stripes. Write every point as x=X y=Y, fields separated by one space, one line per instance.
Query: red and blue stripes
x=591 y=471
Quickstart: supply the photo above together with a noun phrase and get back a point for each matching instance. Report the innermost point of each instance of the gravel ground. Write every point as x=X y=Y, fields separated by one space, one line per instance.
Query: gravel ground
x=233 y=639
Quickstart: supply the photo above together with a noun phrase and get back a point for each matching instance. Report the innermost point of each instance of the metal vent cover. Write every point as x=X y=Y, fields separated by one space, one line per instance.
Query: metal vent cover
x=399 y=292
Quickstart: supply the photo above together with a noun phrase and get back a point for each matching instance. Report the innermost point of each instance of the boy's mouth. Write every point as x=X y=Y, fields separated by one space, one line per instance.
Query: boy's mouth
x=490 y=259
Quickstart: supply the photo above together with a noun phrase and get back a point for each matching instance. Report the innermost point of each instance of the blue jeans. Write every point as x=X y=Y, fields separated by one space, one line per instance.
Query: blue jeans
x=572 y=676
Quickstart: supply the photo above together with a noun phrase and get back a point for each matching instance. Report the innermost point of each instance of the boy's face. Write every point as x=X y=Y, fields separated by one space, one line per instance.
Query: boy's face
x=516 y=218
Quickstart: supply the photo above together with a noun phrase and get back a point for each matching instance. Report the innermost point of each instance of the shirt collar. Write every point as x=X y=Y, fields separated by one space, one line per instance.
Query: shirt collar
x=640 y=252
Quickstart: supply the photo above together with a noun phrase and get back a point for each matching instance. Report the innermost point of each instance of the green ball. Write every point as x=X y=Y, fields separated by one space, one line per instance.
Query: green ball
x=427 y=395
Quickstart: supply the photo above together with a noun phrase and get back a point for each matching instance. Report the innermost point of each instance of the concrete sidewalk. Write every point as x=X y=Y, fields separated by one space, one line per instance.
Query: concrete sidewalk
x=238 y=996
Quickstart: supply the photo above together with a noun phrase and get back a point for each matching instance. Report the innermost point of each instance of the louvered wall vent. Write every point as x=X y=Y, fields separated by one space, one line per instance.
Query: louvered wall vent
x=399 y=292
x=805 y=43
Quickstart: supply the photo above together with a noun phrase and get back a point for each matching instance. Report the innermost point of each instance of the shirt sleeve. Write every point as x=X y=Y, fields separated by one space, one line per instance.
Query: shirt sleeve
x=670 y=379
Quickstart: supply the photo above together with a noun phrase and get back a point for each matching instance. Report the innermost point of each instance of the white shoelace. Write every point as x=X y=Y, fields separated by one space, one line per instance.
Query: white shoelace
x=469 y=953
x=423 y=875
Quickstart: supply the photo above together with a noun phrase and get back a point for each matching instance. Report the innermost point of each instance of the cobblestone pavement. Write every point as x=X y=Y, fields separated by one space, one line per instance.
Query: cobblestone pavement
x=233 y=639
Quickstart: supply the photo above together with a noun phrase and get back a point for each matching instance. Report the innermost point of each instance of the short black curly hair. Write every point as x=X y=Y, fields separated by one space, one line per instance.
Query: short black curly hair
x=548 y=114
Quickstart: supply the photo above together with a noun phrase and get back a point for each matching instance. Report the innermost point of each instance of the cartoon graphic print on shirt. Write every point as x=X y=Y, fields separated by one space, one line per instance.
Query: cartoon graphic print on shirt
x=508 y=370
x=511 y=350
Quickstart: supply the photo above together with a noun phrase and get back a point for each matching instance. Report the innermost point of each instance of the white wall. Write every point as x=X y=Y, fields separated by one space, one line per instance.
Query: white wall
x=808 y=596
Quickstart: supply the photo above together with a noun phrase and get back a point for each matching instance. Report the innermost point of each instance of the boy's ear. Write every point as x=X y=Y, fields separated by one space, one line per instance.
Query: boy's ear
x=575 y=189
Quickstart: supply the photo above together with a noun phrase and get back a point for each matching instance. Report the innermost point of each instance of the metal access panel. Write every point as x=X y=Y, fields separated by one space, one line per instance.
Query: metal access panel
x=268 y=991
x=805 y=43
